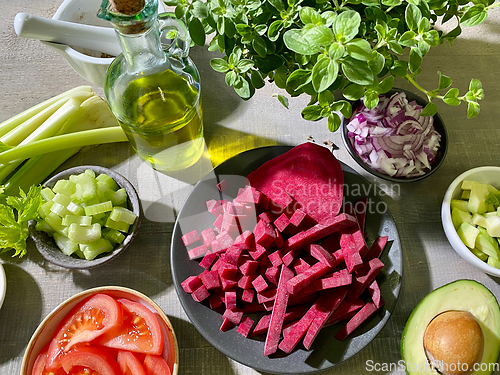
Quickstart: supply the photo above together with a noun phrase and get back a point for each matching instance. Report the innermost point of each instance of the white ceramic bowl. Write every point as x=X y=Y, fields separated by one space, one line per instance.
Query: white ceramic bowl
x=3 y=284
x=490 y=175
x=48 y=326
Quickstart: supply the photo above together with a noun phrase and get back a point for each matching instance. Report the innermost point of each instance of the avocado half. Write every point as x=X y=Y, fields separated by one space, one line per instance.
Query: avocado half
x=465 y=295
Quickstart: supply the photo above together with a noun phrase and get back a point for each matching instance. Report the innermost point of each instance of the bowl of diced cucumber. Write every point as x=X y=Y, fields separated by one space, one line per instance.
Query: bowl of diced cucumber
x=90 y=215
x=471 y=217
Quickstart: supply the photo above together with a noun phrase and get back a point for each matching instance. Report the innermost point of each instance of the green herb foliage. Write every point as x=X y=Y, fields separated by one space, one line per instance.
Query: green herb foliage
x=315 y=47
x=14 y=218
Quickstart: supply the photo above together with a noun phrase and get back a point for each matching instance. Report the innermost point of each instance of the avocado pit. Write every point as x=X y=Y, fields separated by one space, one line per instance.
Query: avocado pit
x=454 y=342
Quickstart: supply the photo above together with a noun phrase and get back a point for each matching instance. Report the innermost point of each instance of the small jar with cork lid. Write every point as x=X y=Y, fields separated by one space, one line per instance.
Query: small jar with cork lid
x=152 y=88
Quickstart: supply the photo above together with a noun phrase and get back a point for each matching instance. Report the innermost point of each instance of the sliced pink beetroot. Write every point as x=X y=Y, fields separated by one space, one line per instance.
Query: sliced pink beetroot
x=191 y=284
x=278 y=241
x=264 y=234
x=257 y=252
x=364 y=277
x=208 y=259
x=331 y=243
x=190 y=238
x=216 y=207
x=222 y=186
x=352 y=258
x=302 y=280
x=282 y=222
x=359 y=239
x=360 y=207
x=234 y=315
x=291 y=314
x=218 y=223
x=320 y=253
x=200 y=294
x=317 y=232
x=233 y=254
x=226 y=325
x=288 y=258
x=230 y=300
x=357 y=320
x=260 y=284
x=377 y=248
x=227 y=284
x=208 y=236
x=197 y=252
x=266 y=295
x=300 y=265
x=300 y=299
x=210 y=279
x=246 y=238
x=310 y=174
x=253 y=307
x=267 y=217
x=297 y=217
x=224 y=240
x=249 y=267
x=245 y=326
x=374 y=291
x=252 y=195
x=278 y=314
x=245 y=282
x=322 y=316
x=247 y=295
x=227 y=270
x=272 y=275
x=214 y=301
x=345 y=311
x=216 y=247
x=275 y=259
x=337 y=279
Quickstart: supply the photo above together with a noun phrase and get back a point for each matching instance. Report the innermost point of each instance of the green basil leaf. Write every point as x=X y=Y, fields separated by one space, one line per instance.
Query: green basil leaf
x=424 y=25
x=357 y=71
x=336 y=51
x=475 y=85
x=415 y=59
x=273 y=32
x=431 y=37
x=298 y=78
x=423 y=47
x=359 y=49
x=413 y=15
x=234 y=57
x=381 y=31
x=295 y=41
x=243 y=29
x=407 y=39
x=172 y=3
x=328 y=17
x=399 y=68
x=256 y=79
x=197 y=31
x=450 y=97
x=346 y=25
x=473 y=17
x=385 y=85
x=306 y=15
x=371 y=99
x=452 y=93
x=302 y=60
x=375 y=14
x=219 y=65
x=283 y=100
x=319 y=36
x=472 y=109
x=334 y=122
x=429 y=110
x=371 y=3
x=324 y=73
x=395 y=47
x=311 y=112
x=270 y=63
x=244 y=65
x=259 y=45
x=180 y=10
x=454 y=33
x=231 y=77
x=444 y=82
x=199 y=9
x=391 y=3
x=325 y=98
x=353 y=92
x=278 y=4
x=377 y=62
x=220 y=25
x=242 y=88
x=260 y=29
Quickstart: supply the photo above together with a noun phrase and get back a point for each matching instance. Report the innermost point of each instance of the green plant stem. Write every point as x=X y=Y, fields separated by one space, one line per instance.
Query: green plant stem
x=62 y=142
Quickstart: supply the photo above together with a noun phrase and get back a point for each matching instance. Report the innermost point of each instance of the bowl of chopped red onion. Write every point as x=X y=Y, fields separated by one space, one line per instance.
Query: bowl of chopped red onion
x=392 y=141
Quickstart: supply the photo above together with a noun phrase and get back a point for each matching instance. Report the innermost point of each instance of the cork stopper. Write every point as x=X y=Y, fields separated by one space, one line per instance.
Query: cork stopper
x=127 y=7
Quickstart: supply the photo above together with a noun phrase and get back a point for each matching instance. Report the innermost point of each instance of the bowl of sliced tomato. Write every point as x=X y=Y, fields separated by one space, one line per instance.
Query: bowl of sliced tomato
x=107 y=331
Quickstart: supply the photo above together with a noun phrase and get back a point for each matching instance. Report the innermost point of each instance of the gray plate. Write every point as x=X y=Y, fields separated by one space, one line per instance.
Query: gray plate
x=326 y=351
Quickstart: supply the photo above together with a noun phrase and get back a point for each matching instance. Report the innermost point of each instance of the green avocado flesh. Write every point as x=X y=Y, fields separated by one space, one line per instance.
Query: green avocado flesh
x=464 y=295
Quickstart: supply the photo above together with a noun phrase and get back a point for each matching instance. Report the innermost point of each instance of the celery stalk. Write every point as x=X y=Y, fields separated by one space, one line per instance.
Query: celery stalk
x=61 y=142
x=17 y=120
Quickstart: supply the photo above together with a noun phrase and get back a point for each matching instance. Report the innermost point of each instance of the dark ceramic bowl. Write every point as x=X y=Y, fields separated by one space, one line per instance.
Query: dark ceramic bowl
x=438 y=125
x=46 y=245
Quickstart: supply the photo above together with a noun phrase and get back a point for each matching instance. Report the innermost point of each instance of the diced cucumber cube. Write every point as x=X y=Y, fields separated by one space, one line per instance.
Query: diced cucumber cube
x=458 y=217
x=468 y=234
x=55 y=222
x=460 y=204
x=113 y=235
x=479 y=220
x=75 y=209
x=92 y=250
x=123 y=214
x=90 y=172
x=485 y=244
x=45 y=209
x=84 y=235
x=477 y=202
x=47 y=194
x=61 y=199
x=493 y=262
x=42 y=226
x=493 y=225
x=467 y=185
x=119 y=197
x=465 y=194
x=118 y=225
x=74 y=219
x=98 y=208
x=59 y=209
x=65 y=187
x=67 y=246
x=479 y=254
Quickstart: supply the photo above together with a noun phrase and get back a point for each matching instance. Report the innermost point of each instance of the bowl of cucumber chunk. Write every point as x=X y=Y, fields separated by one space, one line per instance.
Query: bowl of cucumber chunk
x=471 y=217
x=90 y=215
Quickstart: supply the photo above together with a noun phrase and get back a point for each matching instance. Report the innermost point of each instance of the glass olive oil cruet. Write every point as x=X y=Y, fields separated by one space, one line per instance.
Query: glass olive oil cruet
x=152 y=88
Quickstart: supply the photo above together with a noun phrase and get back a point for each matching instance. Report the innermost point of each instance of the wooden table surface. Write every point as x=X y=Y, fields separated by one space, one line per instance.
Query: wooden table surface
x=30 y=73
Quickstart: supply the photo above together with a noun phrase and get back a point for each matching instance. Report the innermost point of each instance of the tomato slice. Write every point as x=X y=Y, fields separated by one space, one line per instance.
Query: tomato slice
x=89 y=360
x=156 y=365
x=39 y=365
x=89 y=319
x=140 y=331
x=129 y=364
